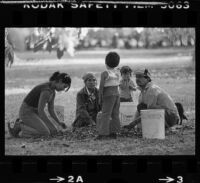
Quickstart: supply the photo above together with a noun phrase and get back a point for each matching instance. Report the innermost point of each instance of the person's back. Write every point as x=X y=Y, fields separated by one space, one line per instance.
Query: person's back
x=33 y=96
x=112 y=78
x=165 y=100
x=111 y=82
x=156 y=97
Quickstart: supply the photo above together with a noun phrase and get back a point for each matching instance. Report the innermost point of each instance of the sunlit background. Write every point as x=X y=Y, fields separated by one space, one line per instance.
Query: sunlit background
x=74 y=39
x=36 y=53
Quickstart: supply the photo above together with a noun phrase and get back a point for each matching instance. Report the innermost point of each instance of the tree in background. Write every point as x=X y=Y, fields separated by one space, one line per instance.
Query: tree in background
x=70 y=39
x=48 y=38
x=9 y=50
x=180 y=36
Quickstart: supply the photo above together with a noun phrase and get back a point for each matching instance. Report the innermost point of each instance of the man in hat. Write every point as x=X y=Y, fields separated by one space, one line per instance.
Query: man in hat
x=87 y=105
x=153 y=97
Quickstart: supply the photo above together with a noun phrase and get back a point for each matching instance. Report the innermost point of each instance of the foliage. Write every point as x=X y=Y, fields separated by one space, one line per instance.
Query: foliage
x=71 y=38
x=148 y=37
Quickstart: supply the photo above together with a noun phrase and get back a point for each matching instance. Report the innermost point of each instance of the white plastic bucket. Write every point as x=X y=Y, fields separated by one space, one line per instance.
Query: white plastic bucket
x=153 y=123
x=127 y=112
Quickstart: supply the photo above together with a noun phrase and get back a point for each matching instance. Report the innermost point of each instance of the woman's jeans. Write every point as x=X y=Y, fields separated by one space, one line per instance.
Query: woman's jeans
x=32 y=124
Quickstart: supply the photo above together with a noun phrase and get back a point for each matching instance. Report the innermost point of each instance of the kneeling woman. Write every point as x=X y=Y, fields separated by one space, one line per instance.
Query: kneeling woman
x=33 y=119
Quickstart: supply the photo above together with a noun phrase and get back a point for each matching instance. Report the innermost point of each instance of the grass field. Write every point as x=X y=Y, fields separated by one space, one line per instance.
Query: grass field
x=170 y=69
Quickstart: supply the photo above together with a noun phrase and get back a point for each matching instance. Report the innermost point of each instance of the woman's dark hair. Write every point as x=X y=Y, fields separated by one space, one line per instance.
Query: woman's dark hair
x=112 y=59
x=125 y=70
x=54 y=76
x=64 y=77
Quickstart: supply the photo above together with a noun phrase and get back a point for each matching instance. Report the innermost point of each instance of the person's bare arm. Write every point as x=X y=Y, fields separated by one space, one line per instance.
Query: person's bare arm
x=44 y=98
x=104 y=75
x=132 y=86
x=136 y=120
x=52 y=111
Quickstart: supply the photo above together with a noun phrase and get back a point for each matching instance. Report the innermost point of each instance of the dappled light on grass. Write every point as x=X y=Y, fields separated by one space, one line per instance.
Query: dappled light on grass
x=81 y=142
x=177 y=79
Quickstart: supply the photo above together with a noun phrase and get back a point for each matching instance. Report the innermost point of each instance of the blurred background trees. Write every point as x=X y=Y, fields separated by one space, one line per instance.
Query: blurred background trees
x=90 y=38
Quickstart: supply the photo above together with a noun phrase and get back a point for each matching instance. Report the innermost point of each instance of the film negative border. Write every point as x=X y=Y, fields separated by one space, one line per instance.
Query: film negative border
x=98 y=169
x=141 y=170
x=104 y=19
x=98 y=4
x=100 y=17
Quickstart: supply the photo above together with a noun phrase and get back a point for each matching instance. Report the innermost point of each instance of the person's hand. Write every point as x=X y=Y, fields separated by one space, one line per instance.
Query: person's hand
x=132 y=88
x=141 y=106
x=63 y=125
x=92 y=123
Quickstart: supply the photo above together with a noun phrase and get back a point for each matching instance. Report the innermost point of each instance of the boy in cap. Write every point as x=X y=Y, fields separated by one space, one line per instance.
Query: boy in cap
x=153 y=97
x=126 y=86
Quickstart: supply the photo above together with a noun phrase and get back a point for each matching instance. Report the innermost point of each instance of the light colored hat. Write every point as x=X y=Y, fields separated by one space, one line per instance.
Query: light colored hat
x=87 y=76
x=144 y=73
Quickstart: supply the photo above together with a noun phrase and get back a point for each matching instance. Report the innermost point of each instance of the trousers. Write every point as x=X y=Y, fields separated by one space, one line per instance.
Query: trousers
x=109 y=121
x=32 y=124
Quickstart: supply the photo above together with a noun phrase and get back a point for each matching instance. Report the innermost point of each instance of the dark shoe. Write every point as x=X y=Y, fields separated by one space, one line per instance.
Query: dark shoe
x=127 y=127
x=14 y=128
x=113 y=135
x=102 y=137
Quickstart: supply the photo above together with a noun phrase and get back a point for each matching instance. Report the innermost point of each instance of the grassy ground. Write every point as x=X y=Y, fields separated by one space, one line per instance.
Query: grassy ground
x=100 y=53
x=177 y=79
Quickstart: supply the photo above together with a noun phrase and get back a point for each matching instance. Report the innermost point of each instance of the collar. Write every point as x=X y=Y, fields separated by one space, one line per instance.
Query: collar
x=87 y=92
x=149 y=84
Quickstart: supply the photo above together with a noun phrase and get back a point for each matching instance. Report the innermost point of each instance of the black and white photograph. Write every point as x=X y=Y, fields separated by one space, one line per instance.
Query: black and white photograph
x=99 y=91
